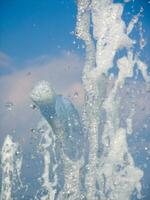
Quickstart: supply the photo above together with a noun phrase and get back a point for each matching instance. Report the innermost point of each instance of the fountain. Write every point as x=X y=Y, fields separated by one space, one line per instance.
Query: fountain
x=87 y=158
x=11 y=162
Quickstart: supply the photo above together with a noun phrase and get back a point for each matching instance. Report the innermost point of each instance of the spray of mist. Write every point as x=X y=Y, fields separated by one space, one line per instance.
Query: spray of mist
x=88 y=157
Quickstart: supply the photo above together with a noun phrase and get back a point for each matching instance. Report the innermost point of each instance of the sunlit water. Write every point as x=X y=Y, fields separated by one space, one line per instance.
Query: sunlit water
x=87 y=157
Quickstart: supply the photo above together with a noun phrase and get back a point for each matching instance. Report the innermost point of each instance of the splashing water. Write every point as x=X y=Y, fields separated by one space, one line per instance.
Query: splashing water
x=87 y=159
x=11 y=162
x=47 y=151
x=113 y=175
x=67 y=145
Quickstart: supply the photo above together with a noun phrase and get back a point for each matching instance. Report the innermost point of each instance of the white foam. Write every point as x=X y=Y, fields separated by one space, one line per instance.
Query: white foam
x=11 y=162
x=109 y=35
x=46 y=145
x=42 y=93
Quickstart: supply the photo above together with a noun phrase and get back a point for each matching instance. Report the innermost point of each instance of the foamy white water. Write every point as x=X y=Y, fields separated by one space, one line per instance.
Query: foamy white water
x=114 y=172
x=47 y=149
x=11 y=163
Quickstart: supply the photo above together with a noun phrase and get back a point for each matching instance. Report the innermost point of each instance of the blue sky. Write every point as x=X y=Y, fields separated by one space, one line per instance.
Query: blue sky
x=30 y=28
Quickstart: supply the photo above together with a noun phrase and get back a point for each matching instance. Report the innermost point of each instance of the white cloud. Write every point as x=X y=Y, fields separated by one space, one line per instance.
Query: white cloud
x=64 y=72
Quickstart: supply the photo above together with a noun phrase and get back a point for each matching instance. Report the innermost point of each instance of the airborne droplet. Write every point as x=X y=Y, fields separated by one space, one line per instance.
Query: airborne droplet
x=9 y=106
x=32 y=130
x=32 y=106
x=76 y=94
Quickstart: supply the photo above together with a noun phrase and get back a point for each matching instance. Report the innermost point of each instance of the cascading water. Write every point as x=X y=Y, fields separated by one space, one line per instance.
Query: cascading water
x=88 y=159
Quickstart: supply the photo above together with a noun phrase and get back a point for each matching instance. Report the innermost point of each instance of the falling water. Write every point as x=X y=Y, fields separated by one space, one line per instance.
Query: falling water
x=11 y=163
x=88 y=159
x=63 y=123
x=47 y=151
x=113 y=175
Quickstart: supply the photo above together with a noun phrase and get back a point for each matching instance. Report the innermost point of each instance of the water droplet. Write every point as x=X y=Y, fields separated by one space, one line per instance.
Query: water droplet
x=72 y=33
x=41 y=130
x=145 y=165
x=145 y=126
x=17 y=153
x=29 y=73
x=76 y=123
x=69 y=124
x=76 y=94
x=13 y=131
x=82 y=197
x=33 y=106
x=9 y=106
x=32 y=130
x=142 y=43
x=146 y=148
x=32 y=157
x=126 y=1
x=147 y=158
